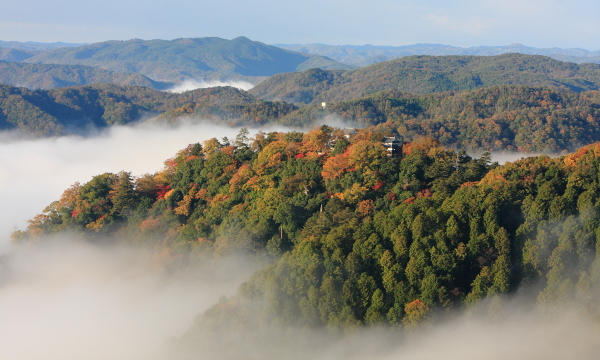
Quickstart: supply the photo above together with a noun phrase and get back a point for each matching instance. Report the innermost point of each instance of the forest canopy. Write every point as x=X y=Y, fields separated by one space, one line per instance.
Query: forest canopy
x=355 y=237
x=428 y=74
x=501 y=118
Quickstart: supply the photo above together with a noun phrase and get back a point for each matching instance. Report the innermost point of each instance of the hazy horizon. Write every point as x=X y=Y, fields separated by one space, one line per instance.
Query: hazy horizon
x=68 y=44
x=382 y=22
x=75 y=300
x=378 y=261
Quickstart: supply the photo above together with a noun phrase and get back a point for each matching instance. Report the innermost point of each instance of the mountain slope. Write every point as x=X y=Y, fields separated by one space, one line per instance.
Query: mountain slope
x=83 y=109
x=202 y=58
x=357 y=238
x=363 y=55
x=9 y=54
x=499 y=118
x=36 y=46
x=51 y=76
x=426 y=74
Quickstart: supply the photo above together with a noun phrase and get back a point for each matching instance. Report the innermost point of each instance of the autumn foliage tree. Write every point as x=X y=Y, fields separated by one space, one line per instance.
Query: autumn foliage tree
x=357 y=237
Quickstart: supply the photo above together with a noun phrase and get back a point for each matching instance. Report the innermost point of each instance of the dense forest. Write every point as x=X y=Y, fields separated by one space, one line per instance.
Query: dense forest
x=513 y=118
x=52 y=76
x=363 y=55
x=428 y=74
x=355 y=237
x=82 y=110
x=209 y=58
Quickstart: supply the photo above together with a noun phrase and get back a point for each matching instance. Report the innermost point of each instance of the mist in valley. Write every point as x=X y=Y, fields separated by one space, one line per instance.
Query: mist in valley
x=64 y=299
x=519 y=334
x=69 y=300
x=35 y=172
x=192 y=84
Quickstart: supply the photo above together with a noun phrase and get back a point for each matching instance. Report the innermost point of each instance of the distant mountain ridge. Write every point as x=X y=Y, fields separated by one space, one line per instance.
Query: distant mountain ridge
x=179 y=59
x=363 y=55
x=86 y=109
x=498 y=118
x=37 y=46
x=52 y=76
x=428 y=74
x=10 y=54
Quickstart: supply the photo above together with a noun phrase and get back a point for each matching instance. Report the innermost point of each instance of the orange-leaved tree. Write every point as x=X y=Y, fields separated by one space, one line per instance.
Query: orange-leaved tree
x=366 y=154
x=335 y=166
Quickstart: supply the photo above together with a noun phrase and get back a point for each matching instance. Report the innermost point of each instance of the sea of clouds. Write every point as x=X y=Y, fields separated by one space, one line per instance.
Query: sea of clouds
x=67 y=300
x=192 y=84
x=35 y=172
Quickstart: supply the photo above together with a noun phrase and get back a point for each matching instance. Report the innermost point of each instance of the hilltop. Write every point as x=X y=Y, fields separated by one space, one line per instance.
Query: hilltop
x=52 y=76
x=363 y=55
x=355 y=237
x=427 y=74
x=200 y=58
x=498 y=118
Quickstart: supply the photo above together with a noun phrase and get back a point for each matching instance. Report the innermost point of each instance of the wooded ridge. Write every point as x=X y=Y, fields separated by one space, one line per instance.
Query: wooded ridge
x=355 y=237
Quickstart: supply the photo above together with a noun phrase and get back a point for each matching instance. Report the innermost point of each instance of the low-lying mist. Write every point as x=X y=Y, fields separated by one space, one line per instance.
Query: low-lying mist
x=64 y=300
x=504 y=157
x=35 y=172
x=192 y=84
x=517 y=332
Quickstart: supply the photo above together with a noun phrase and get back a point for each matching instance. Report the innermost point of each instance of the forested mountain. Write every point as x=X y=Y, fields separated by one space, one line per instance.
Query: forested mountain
x=355 y=237
x=9 y=54
x=200 y=58
x=36 y=46
x=426 y=74
x=516 y=118
x=499 y=118
x=81 y=109
x=363 y=55
x=51 y=76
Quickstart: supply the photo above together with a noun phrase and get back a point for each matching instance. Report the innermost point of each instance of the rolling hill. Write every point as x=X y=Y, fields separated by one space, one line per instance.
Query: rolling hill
x=52 y=76
x=9 y=54
x=81 y=110
x=200 y=58
x=498 y=118
x=428 y=74
x=363 y=55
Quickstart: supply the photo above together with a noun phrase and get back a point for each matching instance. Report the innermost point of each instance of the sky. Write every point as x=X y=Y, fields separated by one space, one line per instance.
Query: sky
x=537 y=23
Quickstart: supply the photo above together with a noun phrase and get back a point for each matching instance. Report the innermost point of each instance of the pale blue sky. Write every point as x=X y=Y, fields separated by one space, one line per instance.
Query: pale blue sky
x=539 y=23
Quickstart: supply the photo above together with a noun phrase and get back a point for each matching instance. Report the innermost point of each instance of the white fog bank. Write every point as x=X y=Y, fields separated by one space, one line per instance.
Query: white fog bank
x=191 y=84
x=519 y=334
x=72 y=301
x=508 y=156
x=33 y=173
